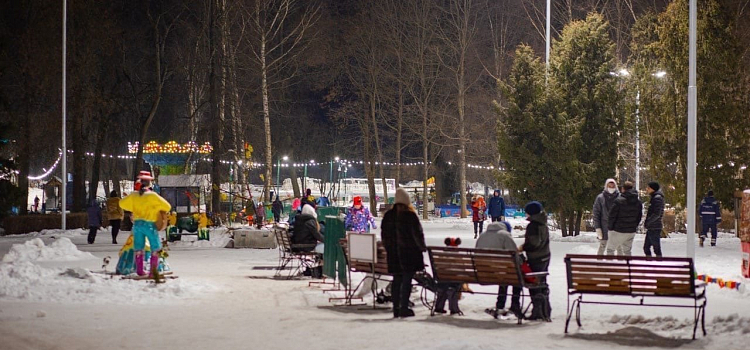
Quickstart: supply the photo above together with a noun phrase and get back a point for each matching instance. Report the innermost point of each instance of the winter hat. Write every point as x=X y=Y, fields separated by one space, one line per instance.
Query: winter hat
x=357 y=200
x=308 y=192
x=710 y=193
x=533 y=208
x=309 y=210
x=654 y=185
x=402 y=196
x=496 y=227
x=145 y=175
x=608 y=181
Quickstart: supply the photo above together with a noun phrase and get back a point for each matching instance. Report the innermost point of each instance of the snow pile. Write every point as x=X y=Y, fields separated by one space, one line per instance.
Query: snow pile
x=61 y=249
x=54 y=233
x=584 y=237
x=720 y=325
x=219 y=238
x=30 y=282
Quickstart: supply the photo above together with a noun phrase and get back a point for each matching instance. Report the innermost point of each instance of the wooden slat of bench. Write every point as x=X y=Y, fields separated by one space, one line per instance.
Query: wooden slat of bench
x=617 y=264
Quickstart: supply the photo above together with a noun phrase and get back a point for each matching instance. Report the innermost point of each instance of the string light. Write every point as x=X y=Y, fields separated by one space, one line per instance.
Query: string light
x=51 y=169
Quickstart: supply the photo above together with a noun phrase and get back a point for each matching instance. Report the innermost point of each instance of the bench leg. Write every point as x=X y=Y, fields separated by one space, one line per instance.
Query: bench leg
x=700 y=315
x=576 y=306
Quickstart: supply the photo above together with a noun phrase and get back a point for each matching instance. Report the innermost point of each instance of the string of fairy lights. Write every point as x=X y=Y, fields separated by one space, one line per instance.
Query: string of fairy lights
x=172 y=147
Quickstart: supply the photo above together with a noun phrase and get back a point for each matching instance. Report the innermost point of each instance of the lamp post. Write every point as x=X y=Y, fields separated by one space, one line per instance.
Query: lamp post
x=330 y=178
x=278 y=172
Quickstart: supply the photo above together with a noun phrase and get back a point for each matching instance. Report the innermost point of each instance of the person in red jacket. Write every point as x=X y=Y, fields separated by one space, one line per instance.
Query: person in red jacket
x=478 y=213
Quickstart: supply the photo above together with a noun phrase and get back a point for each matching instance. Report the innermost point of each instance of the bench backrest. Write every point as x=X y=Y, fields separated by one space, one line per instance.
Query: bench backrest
x=282 y=238
x=482 y=266
x=638 y=276
x=381 y=267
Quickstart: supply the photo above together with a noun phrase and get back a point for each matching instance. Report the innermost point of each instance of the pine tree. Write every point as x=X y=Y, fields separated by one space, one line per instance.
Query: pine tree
x=581 y=74
x=723 y=123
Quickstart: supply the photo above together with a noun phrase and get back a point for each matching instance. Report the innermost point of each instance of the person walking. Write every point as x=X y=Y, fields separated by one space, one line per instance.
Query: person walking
x=115 y=214
x=404 y=243
x=94 y=219
x=498 y=237
x=536 y=246
x=478 y=215
x=653 y=223
x=147 y=207
x=496 y=207
x=624 y=218
x=600 y=212
x=276 y=208
x=710 y=213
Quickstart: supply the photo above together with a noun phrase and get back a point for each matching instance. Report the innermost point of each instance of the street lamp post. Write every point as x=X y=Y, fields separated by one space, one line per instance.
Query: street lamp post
x=278 y=172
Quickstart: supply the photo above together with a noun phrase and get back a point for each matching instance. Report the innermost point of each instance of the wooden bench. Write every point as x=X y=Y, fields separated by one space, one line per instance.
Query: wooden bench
x=635 y=277
x=291 y=255
x=484 y=267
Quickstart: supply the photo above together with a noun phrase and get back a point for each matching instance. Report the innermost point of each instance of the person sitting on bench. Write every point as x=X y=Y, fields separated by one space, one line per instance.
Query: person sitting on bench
x=498 y=236
x=307 y=231
x=449 y=292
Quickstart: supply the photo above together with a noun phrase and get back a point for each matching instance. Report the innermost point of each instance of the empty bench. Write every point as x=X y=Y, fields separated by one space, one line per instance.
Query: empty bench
x=484 y=267
x=634 y=277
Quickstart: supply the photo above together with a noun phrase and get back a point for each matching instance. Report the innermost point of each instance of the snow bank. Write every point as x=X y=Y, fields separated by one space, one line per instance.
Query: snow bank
x=56 y=233
x=30 y=282
x=61 y=249
x=720 y=325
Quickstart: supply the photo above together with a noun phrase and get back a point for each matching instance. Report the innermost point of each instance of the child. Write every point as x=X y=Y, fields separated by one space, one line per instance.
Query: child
x=450 y=292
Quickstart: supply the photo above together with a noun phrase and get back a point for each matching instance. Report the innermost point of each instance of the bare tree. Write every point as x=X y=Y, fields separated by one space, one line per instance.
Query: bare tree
x=280 y=32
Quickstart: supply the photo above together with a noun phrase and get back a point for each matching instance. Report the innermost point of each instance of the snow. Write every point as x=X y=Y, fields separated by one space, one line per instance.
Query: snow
x=61 y=249
x=227 y=299
x=220 y=237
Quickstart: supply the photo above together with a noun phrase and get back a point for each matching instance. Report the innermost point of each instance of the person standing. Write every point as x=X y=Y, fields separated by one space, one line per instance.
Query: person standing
x=536 y=246
x=94 y=220
x=600 y=212
x=710 y=212
x=496 y=207
x=358 y=218
x=478 y=215
x=276 y=208
x=114 y=214
x=36 y=204
x=653 y=223
x=624 y=218
x=146 y=206
x=309 y=199
x=404 y=243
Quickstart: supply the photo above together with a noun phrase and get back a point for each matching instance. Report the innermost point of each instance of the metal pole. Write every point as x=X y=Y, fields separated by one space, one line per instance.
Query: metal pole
x=546 y=57
x=278 y=174
x=637 y=141
x=692 y=132
x=64 y=146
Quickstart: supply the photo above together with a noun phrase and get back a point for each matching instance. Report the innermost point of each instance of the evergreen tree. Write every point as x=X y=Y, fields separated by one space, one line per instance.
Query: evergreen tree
x=723 y=124
x=581 y=75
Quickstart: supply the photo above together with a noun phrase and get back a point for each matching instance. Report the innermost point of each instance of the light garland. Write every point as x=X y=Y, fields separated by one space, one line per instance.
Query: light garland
x=171 y=147
x=49 y=171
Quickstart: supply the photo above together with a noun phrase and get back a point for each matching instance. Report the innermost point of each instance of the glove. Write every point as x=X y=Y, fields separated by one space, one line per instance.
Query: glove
x=599 y=233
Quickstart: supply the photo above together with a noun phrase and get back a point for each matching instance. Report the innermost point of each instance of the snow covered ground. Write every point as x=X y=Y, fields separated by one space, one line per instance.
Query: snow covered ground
x=51 y=297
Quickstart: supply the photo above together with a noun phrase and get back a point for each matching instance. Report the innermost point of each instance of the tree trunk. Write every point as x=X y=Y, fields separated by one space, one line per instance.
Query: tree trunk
x=425 y=167
x=376 y=135
x=217 y=119
x=295 y=184
x=266 y=115
x=79 y=166
x=24 y=163
x=579 y=217
x=96 y=166
x=369 y=163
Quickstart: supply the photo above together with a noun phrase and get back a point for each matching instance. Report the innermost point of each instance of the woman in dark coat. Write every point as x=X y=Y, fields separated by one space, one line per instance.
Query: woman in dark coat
x=403 y=240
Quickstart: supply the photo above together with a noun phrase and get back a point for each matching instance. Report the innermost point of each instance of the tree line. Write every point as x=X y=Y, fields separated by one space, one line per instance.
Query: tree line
x=385 y=81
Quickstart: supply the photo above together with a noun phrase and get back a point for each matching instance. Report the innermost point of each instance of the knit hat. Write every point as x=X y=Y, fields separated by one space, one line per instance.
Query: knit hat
x=145 y=175
x=654 y=185
x=710 y=193
x=533 y=208
x=309 y=210
x=402 y=196
x=357 y=200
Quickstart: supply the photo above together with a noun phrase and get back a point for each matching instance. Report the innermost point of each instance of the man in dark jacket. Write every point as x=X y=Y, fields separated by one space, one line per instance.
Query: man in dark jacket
x=600 y=212
x=496 y=207
x=624 y=218
x=536 y=246
x=710 y=212
x=94 y=220
x=276 y=209
x=403 y=239
x=653 y=223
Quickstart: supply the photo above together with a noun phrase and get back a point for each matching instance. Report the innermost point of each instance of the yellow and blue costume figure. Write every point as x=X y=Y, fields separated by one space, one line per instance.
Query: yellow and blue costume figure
x=146 y=206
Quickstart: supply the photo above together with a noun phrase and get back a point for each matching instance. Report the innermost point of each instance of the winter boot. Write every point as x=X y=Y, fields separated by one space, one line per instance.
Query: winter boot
x=155 y=263
x=139 y=263
x=701 y=241
x=713 y=242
